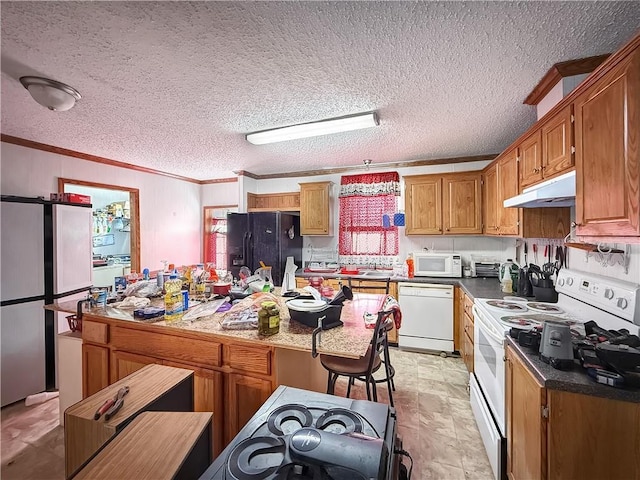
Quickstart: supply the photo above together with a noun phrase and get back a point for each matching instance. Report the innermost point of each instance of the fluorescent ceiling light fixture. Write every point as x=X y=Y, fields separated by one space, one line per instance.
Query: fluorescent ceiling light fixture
x=313 y=129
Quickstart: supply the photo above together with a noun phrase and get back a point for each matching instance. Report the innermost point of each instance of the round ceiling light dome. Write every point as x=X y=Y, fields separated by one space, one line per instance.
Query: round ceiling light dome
x=54 y=95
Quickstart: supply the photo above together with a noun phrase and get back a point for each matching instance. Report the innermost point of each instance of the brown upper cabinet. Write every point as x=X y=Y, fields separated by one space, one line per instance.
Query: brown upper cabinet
x=501 y=182
x=315 y=208
x=272 y=202
x=530 y=160
x=608 y=152
x=507 y=178
x=490 y=201
x=547 y=152
x=448 y=204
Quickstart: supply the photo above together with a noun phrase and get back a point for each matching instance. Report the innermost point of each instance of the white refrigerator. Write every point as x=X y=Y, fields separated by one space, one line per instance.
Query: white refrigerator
x=45 y=257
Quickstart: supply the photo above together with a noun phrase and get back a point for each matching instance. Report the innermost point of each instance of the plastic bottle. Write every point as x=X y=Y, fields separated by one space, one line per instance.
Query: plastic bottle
x=173 y=300
x=508 y=271
x=410 y=266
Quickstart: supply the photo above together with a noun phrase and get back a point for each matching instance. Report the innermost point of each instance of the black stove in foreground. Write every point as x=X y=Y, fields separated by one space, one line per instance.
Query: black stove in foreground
x=299 y=434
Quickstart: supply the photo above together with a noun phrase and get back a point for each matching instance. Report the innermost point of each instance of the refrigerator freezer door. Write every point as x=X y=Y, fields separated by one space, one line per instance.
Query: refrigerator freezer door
x=237 y=239
x=22 y=250
x=265 y=245
x=72 y=248
x=23 y=351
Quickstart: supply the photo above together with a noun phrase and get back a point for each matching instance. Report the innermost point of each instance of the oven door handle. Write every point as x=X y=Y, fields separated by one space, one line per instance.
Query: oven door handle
x=486 y=327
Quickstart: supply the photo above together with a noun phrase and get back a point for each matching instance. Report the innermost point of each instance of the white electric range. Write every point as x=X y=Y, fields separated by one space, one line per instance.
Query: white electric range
x=611 y=303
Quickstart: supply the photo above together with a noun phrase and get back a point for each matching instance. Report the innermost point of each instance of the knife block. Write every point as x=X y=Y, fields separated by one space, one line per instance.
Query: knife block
x=152 y=388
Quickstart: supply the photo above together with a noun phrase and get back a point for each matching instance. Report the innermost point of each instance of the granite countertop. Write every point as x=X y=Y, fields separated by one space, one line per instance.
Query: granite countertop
x=350 y=340
x=474 y=287
x=576 y=380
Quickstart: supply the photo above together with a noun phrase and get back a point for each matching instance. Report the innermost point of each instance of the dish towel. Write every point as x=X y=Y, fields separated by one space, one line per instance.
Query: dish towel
x=390 y=303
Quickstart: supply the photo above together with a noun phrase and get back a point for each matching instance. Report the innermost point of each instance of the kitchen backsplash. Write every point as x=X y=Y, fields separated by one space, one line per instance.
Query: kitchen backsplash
x=498 y=249
x=578 y=261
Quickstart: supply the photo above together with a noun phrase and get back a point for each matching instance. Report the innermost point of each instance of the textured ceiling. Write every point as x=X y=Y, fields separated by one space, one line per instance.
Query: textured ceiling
x=174 y=86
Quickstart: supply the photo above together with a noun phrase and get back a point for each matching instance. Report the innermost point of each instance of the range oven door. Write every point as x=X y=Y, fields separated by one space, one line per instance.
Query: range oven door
x=488 y=351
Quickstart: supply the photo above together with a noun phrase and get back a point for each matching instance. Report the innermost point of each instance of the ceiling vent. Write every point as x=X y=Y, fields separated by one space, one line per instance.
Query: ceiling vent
x=560 y=80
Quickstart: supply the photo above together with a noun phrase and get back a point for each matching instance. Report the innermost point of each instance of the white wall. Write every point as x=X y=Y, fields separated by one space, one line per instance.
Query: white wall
x=213 y=194
x=170 y=209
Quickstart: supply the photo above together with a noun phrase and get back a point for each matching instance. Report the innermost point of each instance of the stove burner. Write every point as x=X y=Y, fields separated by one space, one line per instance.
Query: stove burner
x=509 y=306
x=520 y=321
x=256 y=458
x=299 y=415
x=545 y=307
x=339 y=420
x=271 y=452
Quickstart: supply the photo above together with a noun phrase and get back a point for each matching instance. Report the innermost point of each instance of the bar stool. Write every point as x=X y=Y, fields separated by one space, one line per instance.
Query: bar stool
x=389 y=370
x=361 y=368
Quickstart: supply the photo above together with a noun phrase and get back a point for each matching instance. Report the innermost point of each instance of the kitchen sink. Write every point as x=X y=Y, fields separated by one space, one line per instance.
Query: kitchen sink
x=376 y=273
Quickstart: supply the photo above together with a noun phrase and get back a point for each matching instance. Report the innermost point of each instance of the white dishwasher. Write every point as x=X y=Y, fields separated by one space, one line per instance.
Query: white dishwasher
x=427 y=316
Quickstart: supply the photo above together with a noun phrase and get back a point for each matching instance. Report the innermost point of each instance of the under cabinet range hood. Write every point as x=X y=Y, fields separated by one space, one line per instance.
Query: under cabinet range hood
x=557 y=192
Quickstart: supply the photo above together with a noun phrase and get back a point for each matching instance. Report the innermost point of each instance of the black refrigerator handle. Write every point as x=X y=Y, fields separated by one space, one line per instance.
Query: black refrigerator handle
x=245 y=249
x=249 y=259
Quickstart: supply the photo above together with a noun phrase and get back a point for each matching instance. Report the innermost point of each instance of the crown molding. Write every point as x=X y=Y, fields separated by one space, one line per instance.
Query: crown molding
x=560 y=70
x=86 y=156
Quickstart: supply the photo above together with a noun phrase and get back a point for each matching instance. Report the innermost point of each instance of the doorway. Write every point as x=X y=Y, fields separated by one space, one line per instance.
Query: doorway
x=214 y=242
x=118 y=224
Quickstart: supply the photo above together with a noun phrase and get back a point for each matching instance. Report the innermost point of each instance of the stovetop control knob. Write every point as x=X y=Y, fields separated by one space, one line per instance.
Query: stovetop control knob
x=569 y=281
x=561 y=281
x=622 y=303
x=608 y=294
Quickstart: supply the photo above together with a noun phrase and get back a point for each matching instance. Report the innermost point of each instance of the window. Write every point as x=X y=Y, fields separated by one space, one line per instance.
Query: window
x=367 y=203
x=215 y=236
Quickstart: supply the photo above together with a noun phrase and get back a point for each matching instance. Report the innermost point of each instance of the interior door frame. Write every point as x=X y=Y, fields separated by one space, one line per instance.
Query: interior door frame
x=134 y=205
x=205 y=210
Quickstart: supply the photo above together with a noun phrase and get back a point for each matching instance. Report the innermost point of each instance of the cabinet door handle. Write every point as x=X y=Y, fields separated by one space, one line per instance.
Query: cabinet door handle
x=447 y=229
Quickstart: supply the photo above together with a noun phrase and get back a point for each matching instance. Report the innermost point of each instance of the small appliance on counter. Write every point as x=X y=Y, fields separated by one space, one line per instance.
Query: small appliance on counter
x=555 y=346
x=302 y=434
x=484 y=267
x=437 y=264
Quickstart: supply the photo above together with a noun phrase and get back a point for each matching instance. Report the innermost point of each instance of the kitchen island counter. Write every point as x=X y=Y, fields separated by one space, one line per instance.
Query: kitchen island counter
x=350 y=340
x=235 y=371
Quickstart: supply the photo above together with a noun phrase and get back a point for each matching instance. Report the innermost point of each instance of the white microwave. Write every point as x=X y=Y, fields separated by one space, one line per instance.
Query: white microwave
x=433 y=264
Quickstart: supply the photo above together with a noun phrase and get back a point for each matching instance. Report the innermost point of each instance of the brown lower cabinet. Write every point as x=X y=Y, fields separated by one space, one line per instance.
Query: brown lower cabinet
x=231 y=380
x=464 y=327
x=563 y=435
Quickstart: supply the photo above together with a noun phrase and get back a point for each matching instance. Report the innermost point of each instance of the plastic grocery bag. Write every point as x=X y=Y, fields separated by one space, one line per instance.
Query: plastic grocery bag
x=204 y=309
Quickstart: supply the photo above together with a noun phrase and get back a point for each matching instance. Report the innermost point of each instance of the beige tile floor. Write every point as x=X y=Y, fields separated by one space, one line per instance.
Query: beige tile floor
x=434 y=421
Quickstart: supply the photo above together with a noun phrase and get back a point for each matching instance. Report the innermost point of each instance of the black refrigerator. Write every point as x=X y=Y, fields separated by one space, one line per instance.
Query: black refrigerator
x=269 y=237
